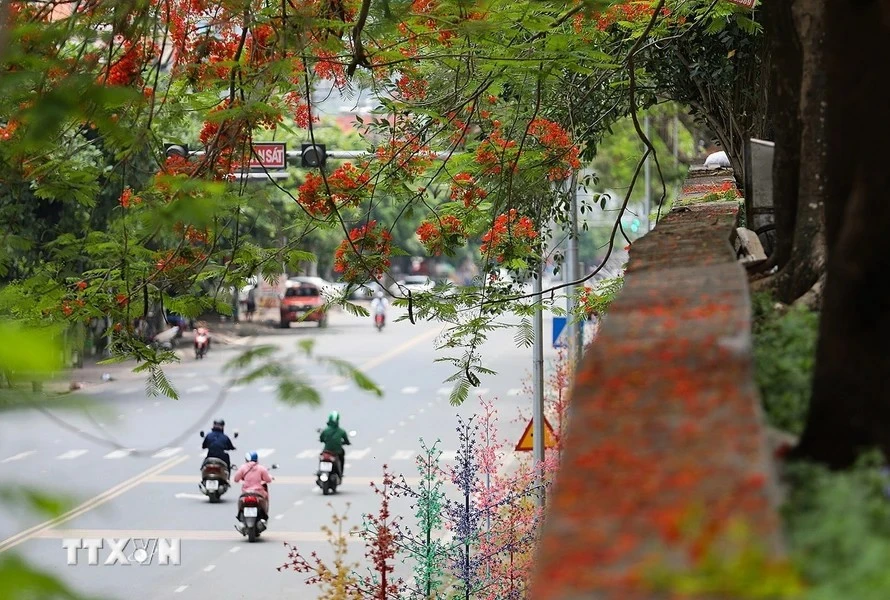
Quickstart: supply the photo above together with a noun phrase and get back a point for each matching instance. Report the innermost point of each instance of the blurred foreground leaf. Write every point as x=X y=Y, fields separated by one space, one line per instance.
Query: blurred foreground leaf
x=39 y=501
x=29 y=353
x=21 y=581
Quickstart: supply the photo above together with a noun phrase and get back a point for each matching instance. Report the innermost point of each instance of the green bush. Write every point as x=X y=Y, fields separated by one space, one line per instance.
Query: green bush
x=784 y=353
x=839 y=530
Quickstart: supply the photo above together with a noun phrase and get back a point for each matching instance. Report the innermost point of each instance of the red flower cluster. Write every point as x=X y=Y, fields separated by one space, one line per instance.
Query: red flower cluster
x=411 y=88
x=127 y=199
x=409 y=157
x=328 y=67
x=347 y=184
x=7 y=131
x=510 y=237
x=299 y=109
x=559 y=148
x=311 y=196
x=493 y=151
x=441 y=235
x=628 y=11
x=374 y=249
x=190 y=234
x=466 y=190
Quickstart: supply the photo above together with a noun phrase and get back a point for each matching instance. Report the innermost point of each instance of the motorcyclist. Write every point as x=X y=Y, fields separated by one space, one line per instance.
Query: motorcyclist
x=255 y=479
x=334 y=438
x=379 y=304
x=218 y=444
x=202 y=329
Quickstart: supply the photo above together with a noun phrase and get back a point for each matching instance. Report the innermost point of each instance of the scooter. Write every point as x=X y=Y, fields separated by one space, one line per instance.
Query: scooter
x=165 y=340
x=330 y=473
x=214 y=477
x=379 y=321
x=202 y=342
x=253 y=513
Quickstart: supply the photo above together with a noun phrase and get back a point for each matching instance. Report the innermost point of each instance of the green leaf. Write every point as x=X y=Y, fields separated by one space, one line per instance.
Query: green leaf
x=28 y=351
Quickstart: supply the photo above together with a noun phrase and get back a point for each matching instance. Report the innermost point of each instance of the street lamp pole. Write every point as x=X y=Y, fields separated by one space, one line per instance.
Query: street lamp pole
x=538 y=385
x=574 y=333
x=648 y=176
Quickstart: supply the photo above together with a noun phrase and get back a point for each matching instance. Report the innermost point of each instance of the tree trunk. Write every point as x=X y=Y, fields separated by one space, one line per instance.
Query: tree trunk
x=850 y=410
x=806 y=264
x=785 y=82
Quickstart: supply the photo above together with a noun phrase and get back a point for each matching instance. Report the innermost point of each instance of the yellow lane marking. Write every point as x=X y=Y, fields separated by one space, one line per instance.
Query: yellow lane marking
x=227 y=535
x=90 y=504
x=282 y=480
x=379 y=360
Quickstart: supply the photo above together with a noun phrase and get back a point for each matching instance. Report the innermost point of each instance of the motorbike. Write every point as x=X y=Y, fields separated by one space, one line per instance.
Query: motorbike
x=253 y=513
x=165 y=340
x=214 y=477
x=329 y=474
x=379 y=321
x=202 y=342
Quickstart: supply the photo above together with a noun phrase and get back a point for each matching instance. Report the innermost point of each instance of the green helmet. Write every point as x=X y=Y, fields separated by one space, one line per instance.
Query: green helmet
x=334 y=418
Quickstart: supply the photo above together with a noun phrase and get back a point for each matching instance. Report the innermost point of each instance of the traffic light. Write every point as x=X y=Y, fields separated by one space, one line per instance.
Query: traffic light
x=635 y=225
x=171 y=150
x=313 y=155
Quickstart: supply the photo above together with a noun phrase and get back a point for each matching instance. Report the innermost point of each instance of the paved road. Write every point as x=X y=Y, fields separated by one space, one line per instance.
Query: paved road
x=148 y=489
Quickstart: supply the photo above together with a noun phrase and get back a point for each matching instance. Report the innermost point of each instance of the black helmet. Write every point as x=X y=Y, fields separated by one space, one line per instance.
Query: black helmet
x=219 y=423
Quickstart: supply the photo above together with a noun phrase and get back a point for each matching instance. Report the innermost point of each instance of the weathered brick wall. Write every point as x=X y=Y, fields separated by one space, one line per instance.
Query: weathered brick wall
x=665 y=420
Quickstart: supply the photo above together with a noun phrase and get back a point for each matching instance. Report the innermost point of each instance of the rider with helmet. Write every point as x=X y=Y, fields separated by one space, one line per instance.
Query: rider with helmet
x=334 y=438
x=379 y=304
x=218 y=444
x=255 y=479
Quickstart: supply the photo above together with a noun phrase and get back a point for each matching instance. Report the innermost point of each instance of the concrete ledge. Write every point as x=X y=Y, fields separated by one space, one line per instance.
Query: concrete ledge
x=665 y=422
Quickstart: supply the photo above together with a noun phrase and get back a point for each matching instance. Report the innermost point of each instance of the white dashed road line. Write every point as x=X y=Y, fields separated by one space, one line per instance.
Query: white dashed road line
x=181 y=589
x=268 y=388
x=18 y=456
x=514 y=392
x=209 y=568
x=166 y=453
x=71 y=454
x=198 y=388
x=235 y=549
x=339 y=388
x=357 y=454
x=120 y=453
x=403 y=455
x=449 y=456
x=410 y=390
x=308 y=453
x=444 y=391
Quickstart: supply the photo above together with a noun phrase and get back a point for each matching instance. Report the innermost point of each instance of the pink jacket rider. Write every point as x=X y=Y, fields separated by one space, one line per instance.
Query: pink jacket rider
x=254 y=475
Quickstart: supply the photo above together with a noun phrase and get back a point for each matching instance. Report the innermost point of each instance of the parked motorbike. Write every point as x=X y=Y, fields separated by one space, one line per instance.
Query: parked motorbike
x=379 y=321
x=165 y=340
x=214 y=477
x=253 y=513
x=202 y=342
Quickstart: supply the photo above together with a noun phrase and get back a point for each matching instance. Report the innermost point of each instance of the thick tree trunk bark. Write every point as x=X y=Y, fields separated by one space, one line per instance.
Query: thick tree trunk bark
x=806 y=264
x=850 y=408
x=785 y=83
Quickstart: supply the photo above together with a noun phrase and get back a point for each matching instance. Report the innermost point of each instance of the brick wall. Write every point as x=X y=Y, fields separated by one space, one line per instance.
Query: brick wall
x=665 y=424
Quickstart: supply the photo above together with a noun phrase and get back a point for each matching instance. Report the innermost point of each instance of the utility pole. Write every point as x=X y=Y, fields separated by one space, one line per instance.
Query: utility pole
x=648 y=176
x=574 y=332
x=538 y=385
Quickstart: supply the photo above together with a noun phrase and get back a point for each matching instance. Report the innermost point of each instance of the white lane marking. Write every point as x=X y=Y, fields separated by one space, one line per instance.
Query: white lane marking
x=236 y=388
x=279 y=517
x=411 y=417
x=357 y=454
x=268 y=388
x=198 y=388
x=308 y=453
x=429 y=403
x=403 y=455
x=18 y=456
x=339 y=388
x=166 y=453
x=392 y=431
x=410 y=390
x=130 y=390
x=181 y=589
x=235 y=549
x=119 y=453
x=209 y=568
x=264 y=452
x=251 y=422
x=481 y=392
x=444 y=391
x=401 y=423
x=449 y=456
x=422 y=410
x=514 y=392
x=298 y=503
x=190 y=496
x=71 y=454
x=379 y=440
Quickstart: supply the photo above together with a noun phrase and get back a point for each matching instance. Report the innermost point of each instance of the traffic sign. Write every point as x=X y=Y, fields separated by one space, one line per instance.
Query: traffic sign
x=269 y=155
x=560 y=330
x=527 y=441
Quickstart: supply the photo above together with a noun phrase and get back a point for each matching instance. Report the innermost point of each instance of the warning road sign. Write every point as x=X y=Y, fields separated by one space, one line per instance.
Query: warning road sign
x=527 y=443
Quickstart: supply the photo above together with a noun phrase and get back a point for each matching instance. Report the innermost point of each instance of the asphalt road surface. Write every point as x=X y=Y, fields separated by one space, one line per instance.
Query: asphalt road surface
x=149 y=487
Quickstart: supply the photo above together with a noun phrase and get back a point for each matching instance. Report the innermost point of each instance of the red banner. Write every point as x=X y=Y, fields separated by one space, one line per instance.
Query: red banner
x=272 y=155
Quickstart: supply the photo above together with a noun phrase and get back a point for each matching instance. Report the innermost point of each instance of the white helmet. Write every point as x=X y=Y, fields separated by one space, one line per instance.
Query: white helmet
x=379 y=294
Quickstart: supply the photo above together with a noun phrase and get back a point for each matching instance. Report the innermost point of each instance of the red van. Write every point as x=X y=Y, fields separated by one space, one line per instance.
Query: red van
x=303 y=302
